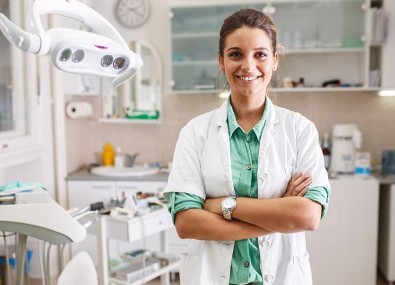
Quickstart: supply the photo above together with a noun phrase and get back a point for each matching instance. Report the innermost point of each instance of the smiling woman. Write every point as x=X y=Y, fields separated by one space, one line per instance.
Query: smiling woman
x=248 y=179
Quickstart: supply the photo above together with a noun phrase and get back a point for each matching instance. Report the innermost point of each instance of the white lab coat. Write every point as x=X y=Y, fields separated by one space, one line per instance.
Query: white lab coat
x=202 y=166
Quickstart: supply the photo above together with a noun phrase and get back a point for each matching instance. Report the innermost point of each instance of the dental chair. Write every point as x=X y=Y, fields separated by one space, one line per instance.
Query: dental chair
x=79 y=270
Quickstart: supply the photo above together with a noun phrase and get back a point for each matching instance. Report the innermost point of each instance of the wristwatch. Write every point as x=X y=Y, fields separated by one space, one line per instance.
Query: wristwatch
x=227 y=205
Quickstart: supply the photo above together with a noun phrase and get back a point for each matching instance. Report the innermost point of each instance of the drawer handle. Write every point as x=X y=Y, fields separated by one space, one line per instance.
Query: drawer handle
x=128 y=187
x=101 y=187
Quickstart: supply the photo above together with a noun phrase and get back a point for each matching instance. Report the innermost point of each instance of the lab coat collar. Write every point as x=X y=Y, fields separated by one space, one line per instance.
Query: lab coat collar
x=222 y=114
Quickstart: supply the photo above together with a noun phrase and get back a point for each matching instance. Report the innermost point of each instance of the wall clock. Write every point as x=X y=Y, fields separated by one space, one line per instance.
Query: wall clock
x=132 y=13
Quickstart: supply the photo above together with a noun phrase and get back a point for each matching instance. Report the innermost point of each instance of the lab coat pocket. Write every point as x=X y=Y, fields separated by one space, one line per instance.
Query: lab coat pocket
x=190 y=269
x=302 y=270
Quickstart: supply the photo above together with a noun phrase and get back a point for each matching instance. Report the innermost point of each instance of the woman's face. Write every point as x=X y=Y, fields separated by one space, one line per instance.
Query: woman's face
x=248 y=62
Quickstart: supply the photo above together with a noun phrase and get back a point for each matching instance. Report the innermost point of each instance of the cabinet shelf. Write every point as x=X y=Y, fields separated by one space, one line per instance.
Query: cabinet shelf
x=194 y=35
x=148 y=277
x=326 y=50
x=325 y=89
x=129 y=121
x=288 y=90
x=196 y=62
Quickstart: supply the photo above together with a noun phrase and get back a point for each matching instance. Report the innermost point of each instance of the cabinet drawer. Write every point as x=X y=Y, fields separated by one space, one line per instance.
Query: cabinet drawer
x=140 y=186
x=84 y=193
x=139 y=227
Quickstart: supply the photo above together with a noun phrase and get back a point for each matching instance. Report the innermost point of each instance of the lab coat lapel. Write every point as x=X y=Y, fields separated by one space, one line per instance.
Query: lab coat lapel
x=268 y=132
x=224 y=145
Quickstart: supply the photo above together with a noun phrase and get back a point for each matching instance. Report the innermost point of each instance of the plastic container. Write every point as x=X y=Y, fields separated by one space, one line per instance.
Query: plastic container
x=118 y=158
x=108 y=155
x=362 y=164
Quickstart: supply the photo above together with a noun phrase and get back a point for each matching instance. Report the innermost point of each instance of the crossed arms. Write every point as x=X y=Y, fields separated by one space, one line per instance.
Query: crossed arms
x=253 y=217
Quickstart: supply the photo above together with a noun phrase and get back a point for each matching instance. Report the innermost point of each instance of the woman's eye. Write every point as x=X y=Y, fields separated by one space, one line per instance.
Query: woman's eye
x=261 y=55
x=234 y=54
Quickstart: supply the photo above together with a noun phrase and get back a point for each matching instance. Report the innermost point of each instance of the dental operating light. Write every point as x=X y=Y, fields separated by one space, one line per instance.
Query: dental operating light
x=102 y=52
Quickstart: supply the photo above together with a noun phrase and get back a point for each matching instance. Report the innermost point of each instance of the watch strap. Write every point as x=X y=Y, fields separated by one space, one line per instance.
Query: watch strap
x=227 y=214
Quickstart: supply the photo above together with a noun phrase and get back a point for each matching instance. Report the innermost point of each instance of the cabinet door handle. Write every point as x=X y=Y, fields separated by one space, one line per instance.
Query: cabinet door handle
x=101 y=187
x=128 y=187
x=3 y=146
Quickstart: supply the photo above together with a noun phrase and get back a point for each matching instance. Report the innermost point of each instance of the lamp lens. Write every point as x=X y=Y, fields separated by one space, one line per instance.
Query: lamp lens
x=119 y=62
x=106 y=60
x=78 y=56
x=65 y=55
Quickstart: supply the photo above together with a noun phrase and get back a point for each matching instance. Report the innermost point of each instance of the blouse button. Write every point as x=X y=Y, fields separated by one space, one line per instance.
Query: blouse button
x=248 y=166
x=246 y=264
x=269 y=278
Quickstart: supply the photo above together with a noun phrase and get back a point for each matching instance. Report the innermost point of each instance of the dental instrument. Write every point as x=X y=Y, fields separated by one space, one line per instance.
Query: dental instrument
x=102 y=52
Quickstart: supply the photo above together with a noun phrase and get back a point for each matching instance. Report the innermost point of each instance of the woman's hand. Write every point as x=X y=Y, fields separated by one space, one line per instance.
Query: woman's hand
x=298 y=185
x=213 y=205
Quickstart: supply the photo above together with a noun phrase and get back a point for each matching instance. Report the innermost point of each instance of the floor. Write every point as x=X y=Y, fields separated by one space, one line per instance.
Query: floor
x=380 y=281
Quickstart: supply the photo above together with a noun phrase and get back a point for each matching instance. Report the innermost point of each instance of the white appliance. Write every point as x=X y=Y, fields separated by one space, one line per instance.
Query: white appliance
x=346 y=139
x=343 y=250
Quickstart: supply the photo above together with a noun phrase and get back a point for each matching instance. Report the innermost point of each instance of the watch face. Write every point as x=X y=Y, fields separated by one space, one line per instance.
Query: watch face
x=229 y=203
x=132 y=13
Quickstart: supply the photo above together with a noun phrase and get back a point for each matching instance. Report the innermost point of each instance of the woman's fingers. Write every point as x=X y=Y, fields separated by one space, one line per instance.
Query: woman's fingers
x=301 y=185
x=298 y=185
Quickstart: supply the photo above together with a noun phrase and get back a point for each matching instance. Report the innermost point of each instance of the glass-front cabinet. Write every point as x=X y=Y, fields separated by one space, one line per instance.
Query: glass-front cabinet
x=321 y=44
x=18 y=88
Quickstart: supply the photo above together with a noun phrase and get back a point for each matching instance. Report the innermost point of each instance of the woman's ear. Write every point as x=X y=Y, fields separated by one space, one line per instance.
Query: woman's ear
x=275 y=61
x=221 y=62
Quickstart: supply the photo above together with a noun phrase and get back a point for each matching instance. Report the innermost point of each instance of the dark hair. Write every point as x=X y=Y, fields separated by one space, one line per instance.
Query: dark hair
x=251 y=18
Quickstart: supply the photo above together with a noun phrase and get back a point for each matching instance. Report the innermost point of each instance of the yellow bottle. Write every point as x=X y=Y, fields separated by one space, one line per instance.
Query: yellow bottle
x=108 y=155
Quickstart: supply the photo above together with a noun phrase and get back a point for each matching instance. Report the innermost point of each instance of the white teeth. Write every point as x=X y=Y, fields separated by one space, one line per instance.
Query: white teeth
x=248 y=78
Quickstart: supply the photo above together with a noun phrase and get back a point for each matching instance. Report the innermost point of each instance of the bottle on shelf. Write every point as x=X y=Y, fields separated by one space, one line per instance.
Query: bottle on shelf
x=108 y=155
x=326 y=151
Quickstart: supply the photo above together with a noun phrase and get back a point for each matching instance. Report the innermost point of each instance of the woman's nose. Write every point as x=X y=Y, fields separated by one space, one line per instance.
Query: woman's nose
x=248 y=63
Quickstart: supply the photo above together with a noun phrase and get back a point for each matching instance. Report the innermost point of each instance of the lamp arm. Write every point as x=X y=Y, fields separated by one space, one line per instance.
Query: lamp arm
x=75 y=10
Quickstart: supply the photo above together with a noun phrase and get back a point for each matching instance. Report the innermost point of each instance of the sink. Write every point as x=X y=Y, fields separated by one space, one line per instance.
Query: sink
x=137 y=170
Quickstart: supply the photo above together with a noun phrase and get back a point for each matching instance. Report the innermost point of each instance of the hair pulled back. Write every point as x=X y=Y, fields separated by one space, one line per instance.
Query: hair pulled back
x=251 y=18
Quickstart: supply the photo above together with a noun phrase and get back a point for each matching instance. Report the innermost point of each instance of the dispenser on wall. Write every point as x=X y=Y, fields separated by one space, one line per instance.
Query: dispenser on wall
x=346 y=140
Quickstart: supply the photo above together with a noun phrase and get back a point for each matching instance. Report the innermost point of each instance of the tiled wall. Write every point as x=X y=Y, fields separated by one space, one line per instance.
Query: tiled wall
x=374 y=115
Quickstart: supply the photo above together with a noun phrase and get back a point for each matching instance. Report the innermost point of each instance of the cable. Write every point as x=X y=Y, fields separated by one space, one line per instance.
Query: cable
x=46 y=264
x=40 y=256
x=61 y=256
x=27 y=268
x=7 y=257
x=47 y=275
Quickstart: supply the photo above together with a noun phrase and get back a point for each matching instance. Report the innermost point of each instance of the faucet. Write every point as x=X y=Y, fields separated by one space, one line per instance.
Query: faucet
x=130 y=159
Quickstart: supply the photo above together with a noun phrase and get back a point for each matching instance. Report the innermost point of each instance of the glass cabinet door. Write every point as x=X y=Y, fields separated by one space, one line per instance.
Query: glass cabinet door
x=17 y=86
x=312 y=33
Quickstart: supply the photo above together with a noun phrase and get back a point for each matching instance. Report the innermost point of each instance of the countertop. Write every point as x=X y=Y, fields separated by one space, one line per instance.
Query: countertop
x=86 y=175
x=163 y=176
x=385 y=179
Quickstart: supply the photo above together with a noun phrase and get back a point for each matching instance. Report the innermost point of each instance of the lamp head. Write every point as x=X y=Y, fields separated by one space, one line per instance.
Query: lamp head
x=102 y=52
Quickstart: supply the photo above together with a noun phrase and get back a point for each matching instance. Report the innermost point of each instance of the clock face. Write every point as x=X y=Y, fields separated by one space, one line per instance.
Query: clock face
x=132 y=13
